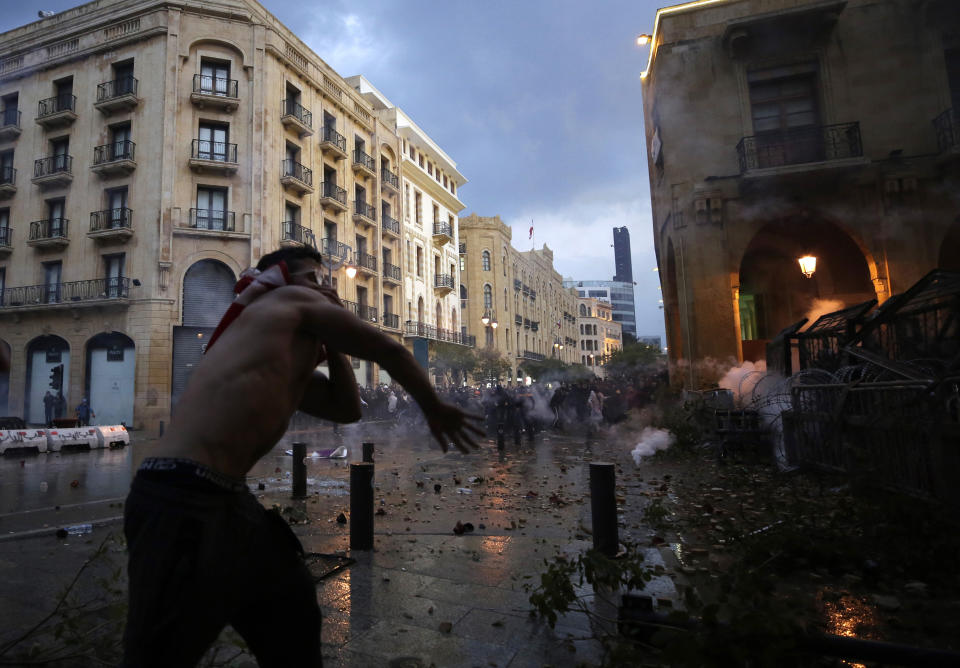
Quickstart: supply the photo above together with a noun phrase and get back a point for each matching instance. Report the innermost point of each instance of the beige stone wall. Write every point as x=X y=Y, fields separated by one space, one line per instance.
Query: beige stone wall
x=878 y=65
x=600 y=336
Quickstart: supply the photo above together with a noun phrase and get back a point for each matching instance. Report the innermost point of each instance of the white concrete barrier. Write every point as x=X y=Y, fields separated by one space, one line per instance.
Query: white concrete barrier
x=13 y=439
x=58 y=438
x=112 y=436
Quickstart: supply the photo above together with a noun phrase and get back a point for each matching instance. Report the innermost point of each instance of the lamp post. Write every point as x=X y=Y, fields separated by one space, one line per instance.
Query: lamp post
x=332 y=263
x=808 y=265
x=557 y=346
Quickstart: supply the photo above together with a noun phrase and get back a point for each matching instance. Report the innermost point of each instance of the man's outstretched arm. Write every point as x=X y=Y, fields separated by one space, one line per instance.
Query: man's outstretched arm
x=336 y=398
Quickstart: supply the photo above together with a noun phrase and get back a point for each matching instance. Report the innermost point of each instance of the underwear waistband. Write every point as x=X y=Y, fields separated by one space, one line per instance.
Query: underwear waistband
x=178 y=467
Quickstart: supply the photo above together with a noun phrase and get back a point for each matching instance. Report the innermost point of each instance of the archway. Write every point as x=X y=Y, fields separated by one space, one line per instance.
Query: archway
x=5 y=361
x=44 y=354
x=950 y=248
x=773 y=291
x=111 y=374
x=207 y=293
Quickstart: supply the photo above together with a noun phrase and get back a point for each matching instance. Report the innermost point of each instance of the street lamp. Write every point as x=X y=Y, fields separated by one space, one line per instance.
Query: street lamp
x=333 y=263
x=489 y=318
x=808 y=265
x=643 y=40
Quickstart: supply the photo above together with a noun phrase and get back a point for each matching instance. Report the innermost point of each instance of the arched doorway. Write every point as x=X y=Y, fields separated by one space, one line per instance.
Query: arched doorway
x=773 y=291
x=44 y=354
x=207 y=293
x=5 y=361
x=111 y=374
x=950 y=248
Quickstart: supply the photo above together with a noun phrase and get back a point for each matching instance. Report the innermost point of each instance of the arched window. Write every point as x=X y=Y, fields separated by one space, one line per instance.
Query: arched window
x=487 y=296
x=485 y=259
x=583 y=310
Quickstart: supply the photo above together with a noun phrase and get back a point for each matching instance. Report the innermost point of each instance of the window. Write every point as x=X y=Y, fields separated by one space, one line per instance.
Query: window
x=211 y=210
x=444 y=180
x=330 y=232
x=436 y=213
x=10 y=104
x=485 y=260
x=406 y=202
x=64 y=93
x=120 y=148
x=52 y=273
x=60 y=150
x=783 y=106
x=6 y=167
x=413 y=152
x=117 y=207
x=329 y=121
x=3 y=283
x=55 y=220
x=387 y=304
x=463 y=263
x=214 y=77
x=430 y=168
x=487 y=296
x=293 y=107
x=212 y=141
x=419 y=262
x=113 y=274
x=418 y=201
x=123 y=78
x=420 y=160
x=291 y=213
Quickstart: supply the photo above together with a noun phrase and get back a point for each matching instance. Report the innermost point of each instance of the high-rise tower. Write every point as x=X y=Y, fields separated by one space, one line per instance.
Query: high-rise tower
x=621 y=255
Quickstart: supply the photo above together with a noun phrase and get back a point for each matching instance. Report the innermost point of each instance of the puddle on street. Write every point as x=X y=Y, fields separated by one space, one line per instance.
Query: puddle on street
x=848 y=616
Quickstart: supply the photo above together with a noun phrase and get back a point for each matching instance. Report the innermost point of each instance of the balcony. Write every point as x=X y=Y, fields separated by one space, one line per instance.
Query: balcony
x=389 y=180
x=215 y=93
x=364 y=214
x=6 y=241
x=296 y=177
x=427 y=331
x=530 y=355
x=391 y=272
x=333 y=142
x=462 y=249
x=293 y=234
x=443 y=283
x=116 y=159
x=442 y=233
x=363 y=164
x=366 y=263
x=111 y=225
x=8 y=182
x=390 y=321
x=117 y=95
x=213 y=156
x=390 y=225
x=947 y=129
x=9 y=124
x=53 y=172
x=95 y=292
x=51 y=233
x=333 y=249
x=296 y=118
x=57 y=112
x=333 y=197
x=516 y=285
x=213 y=220
x=518 y=320
x=800 y=149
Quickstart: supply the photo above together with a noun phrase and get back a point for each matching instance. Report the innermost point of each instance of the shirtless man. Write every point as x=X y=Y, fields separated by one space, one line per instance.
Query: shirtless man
x=202 y=551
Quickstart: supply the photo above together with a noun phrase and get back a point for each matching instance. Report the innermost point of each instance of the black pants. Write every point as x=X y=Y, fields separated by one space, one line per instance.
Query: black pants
x=202 y=557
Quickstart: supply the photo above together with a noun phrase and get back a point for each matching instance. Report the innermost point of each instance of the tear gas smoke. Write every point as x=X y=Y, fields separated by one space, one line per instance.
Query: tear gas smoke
x=652 y=440
x=821 y=307
x=741 y=380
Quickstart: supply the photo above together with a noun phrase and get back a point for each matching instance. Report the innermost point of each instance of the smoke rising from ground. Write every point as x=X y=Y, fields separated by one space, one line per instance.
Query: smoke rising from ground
x=821 y=307
x=741 y=380
x=652 y=440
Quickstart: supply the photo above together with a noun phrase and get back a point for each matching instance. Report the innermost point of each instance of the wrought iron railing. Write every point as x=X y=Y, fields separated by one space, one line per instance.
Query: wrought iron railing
x=10 y=117
x=427 y=331
x=211 y=85
x=363 y=159
x=6 y=236
x=443 y=281
x=364 y=209
x=291 y=108
x=294 y=232
x=814 y=143
x=116 y=88
x=333 y=191
x=118 y=150
x=390 y=224
x=297 y=171
x=52 y=228
x=333 y=248
x=391 y=320
x=8 y=175
x=331 y=136
x=530 y=355
x=463 y=249
x=441 y=228
x=205 y=149
x=368 y=313
x=389 y=178
x=517 y=284
x=111 y=219
x=213 y=219
x=54 y=105
x=366 y=260
x=391 y=271
x=947 y=129
x=54 y=164
x=96 y=289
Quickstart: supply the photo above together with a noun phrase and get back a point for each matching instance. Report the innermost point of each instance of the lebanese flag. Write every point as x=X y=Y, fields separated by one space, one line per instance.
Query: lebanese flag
x=531 y=231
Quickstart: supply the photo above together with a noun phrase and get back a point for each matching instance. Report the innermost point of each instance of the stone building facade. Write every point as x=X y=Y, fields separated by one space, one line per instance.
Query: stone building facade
x=151 y=150
x=520 y=291
x=783 y=128
x=600 y=335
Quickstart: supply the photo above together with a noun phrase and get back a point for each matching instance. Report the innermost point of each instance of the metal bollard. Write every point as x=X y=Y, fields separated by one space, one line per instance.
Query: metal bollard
x=161 y=429
x=500 y=443
x=603 y=507
x=299 y=470
x=361 y=506
x=368 y=452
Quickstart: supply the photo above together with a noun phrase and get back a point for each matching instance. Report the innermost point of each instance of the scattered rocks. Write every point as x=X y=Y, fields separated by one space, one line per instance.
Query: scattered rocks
x=445 y=627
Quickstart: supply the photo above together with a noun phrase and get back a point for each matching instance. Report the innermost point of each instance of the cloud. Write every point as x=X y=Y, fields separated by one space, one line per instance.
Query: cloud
x=348 y=43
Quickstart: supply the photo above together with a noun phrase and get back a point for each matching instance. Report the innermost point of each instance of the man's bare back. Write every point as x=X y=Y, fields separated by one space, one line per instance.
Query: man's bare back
x=239 y=399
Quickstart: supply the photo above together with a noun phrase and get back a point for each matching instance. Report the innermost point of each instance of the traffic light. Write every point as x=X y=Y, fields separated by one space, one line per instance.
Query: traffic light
x=56 y=377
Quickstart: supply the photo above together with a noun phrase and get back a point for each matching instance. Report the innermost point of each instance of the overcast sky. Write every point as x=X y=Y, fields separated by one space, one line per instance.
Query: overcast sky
x=537 y=101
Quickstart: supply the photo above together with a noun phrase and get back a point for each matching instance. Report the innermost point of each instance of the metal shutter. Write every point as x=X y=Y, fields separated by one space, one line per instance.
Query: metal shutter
x=207 y=292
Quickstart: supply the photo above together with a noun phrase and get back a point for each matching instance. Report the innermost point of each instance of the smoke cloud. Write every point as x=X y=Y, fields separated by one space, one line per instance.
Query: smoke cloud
x=821 y=307
x=652 y=440
x=741 y=380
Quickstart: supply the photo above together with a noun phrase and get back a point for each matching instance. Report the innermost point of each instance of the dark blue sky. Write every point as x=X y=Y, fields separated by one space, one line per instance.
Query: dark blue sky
x=537 y=101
